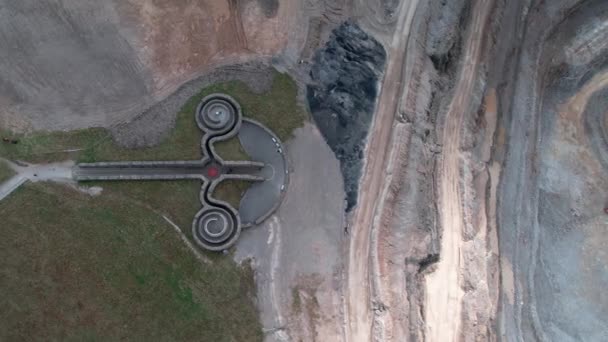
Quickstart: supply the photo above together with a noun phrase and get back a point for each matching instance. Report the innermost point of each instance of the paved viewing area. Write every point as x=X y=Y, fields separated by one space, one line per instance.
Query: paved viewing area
x=217 y=225
x=57 y=172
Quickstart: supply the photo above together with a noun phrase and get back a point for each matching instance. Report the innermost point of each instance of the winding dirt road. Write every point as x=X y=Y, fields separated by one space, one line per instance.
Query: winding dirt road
x=444 y=294
x=358 y=302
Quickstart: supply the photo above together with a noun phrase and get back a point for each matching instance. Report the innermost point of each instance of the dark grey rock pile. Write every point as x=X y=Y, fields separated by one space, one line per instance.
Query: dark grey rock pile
x=342 y=95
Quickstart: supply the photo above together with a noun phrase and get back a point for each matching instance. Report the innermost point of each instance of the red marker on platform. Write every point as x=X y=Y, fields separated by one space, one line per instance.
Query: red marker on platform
x=213 y=172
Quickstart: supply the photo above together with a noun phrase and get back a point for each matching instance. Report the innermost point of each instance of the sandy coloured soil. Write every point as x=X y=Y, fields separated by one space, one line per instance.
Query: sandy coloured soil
x=444 y=293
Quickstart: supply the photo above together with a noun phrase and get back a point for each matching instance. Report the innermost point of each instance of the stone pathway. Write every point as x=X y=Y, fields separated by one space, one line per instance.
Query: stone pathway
x=217 y=225
x=57 y=172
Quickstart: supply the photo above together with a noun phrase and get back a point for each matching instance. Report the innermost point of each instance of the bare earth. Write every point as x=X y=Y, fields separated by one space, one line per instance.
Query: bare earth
x=85 y=63
x=480 y=213
x=444 y=292
x=359 y=314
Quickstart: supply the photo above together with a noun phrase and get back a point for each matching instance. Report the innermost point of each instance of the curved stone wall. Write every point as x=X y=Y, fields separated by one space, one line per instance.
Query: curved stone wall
x=217 y=225
x=218 y=114
x=216 y=228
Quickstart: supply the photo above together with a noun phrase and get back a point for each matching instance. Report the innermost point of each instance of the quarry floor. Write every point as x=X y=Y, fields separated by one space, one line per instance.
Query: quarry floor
x=551 y=219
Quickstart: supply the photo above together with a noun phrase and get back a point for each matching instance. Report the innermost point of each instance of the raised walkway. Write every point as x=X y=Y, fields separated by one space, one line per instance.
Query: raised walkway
x=217 y=225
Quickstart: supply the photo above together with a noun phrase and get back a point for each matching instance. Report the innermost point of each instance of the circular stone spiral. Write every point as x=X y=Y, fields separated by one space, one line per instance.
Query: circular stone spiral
x=215 y=228
x=217 y=113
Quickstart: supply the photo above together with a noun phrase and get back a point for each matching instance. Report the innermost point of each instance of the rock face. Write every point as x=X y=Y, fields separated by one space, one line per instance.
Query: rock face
x=445 y=17
x=342 y=95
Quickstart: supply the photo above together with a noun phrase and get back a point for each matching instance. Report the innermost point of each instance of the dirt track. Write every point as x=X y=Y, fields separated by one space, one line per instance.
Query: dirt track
x=444 y=292
x=420 y=251
x=358 y=301
x=83 y=63
x=296 y=251
x=552 y=187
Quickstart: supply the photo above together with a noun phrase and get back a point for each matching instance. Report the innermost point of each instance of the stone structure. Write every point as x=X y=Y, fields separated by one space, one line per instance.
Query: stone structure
x=217 y=225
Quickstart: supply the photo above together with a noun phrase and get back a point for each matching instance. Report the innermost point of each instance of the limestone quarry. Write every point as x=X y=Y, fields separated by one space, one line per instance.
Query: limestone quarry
x=450 y=182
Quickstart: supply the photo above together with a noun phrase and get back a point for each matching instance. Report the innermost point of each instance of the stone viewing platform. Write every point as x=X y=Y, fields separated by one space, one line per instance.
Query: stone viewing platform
x=217 y=225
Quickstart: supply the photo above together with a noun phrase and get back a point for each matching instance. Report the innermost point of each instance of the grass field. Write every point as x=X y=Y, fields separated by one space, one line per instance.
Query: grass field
x=5 y=171
x=81 y=268
x=110 y=268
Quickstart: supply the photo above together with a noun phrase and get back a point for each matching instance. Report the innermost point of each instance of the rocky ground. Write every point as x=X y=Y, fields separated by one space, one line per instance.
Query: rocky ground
x=460 y=218
x=297 y=252
x=551 y=236
x=342 y=94
x=471 y=136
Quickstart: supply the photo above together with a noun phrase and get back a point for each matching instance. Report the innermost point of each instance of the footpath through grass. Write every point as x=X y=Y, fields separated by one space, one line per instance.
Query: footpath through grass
x=5 y=171
x=81 y=268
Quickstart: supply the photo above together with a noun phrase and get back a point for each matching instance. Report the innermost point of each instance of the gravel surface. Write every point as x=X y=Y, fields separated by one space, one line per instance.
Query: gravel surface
x=342 y=95
x=296 y=252
x=153 y=125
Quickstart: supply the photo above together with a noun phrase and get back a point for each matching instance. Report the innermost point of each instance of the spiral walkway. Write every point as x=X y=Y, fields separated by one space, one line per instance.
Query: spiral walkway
x=217 y=225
